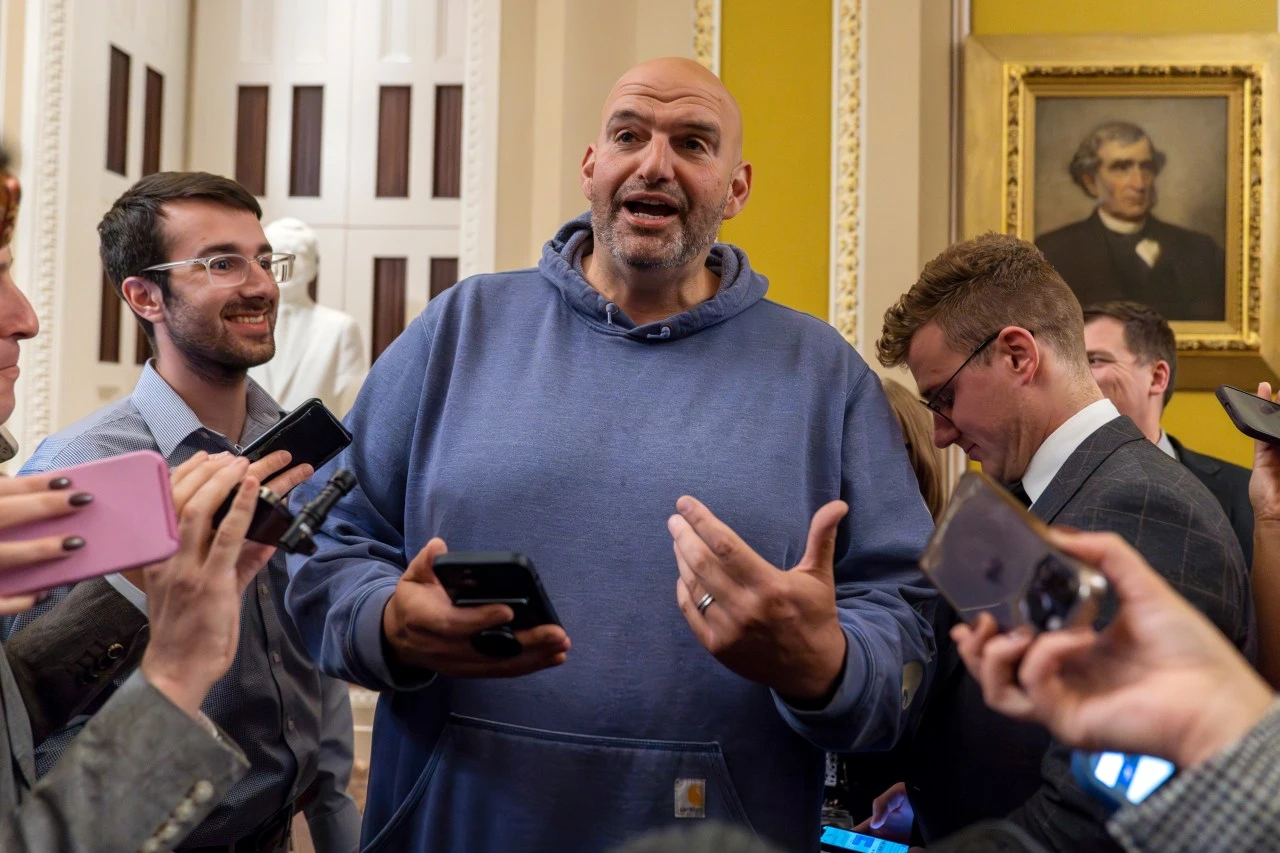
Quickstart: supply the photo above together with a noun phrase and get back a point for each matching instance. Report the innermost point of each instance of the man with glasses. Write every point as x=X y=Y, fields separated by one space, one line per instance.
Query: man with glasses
x=995 y=341
x=187 y=253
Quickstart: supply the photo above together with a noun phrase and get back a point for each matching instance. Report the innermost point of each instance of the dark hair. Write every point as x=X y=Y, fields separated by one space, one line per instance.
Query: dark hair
x=1146 y=334
x=979 y=286
x=131 y=235
x=1086 y=160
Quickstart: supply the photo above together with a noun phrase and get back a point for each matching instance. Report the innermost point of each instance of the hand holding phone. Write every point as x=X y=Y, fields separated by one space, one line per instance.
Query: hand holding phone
x=480 y=578
x=1160 y=679
x=424 y=629
x=65 y=526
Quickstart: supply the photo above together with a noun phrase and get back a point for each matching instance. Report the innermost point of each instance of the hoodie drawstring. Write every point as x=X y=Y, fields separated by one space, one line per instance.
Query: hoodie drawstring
x=609 y=311
x=663 y=334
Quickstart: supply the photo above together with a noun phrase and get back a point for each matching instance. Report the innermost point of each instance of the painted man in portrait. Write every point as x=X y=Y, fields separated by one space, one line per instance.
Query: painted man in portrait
x=1122 y=251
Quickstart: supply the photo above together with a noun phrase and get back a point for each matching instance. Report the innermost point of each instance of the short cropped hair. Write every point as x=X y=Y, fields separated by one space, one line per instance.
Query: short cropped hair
x=917 y=431
x=1146 y=334
x=131 y=235
x=980 y=286
x=1086 y=160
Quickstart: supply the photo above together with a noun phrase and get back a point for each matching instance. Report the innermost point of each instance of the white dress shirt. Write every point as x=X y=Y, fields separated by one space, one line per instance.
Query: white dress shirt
x=1167 y=446
x=1062 y=442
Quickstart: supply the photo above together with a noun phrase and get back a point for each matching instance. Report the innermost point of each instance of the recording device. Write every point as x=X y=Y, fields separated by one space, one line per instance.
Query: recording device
x=477 y=578
x=130 y=522
x=313 y=436
x=1256 y=417
x=989 y=555
x=274 y=524
x=1120 y=778
x=839 y=840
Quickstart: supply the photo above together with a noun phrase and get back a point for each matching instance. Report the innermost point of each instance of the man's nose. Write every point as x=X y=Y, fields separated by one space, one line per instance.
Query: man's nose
x=656 y=166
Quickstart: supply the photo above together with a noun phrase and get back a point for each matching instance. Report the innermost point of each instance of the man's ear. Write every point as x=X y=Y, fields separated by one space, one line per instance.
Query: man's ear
x=1160 y=375
x=144 y=298
x=1019 y=346
x=588 y=170
x=739 y=190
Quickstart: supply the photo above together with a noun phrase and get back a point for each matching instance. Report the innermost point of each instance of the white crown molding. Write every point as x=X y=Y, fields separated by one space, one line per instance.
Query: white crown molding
x=38 y=237
x=706 y=34
x=480 y=138
x=847 y=120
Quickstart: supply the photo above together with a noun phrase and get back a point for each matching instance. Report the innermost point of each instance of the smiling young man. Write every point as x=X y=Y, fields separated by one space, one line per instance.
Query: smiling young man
x=563 y=412
x=187 y=253
x=994 y=339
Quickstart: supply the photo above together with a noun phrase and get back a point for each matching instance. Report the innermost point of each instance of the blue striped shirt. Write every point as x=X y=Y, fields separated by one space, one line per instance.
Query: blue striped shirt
x=293 y=724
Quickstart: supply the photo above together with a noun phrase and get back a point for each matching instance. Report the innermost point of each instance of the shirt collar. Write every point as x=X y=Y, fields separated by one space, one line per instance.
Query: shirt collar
x=172 y=422
x=1167 y=446
x=1062 y=442
x=1120 y=226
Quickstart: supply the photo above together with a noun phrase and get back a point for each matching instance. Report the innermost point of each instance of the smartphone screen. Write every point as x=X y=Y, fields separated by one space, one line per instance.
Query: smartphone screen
x=835 y=838
x=1128 y=776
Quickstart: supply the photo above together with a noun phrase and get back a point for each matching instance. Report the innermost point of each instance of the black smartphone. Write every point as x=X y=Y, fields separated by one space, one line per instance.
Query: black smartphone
x=476 y=578
x=311 y=433
x=1120 y=778
x=989 y=555
x=1256 y=417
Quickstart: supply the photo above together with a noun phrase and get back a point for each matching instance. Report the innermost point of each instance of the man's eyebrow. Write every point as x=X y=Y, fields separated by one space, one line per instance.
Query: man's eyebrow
x=229 y=249
x=703 y=127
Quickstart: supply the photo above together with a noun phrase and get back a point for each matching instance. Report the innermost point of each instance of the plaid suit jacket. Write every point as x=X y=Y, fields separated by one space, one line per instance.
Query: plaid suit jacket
x=969 y=763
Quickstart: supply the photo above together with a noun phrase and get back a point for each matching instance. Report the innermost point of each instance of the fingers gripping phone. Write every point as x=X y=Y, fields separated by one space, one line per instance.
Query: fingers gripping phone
x=313 y=435
x=1256 y=417
x=131 y=522
x=477 y=578
x=989 y=555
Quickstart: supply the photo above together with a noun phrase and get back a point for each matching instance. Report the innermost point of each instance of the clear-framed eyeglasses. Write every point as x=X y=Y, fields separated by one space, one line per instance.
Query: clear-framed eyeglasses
x=233 y=270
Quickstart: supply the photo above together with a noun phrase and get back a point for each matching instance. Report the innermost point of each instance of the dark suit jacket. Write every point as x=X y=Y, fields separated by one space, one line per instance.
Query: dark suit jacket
x=1230 y=485
x=1188 y=281
x=968 y=762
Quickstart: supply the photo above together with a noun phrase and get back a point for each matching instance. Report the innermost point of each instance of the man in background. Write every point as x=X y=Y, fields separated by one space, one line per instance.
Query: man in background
x=1134 y=356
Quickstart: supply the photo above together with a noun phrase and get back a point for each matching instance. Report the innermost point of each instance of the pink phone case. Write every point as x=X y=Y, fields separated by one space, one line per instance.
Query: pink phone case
x=131 y=522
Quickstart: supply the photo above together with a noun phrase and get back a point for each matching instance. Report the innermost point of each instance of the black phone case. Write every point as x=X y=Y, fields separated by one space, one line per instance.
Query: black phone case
x=296 y=430
x=1226 y=395
x=478 y=577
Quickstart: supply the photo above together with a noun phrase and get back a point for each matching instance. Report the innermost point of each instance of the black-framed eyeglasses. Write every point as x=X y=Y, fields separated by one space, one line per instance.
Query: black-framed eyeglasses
x=233 y=270
x=935 y=403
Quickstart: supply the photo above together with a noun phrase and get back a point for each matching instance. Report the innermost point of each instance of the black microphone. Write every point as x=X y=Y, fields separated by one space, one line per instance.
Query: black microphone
x=297 y=539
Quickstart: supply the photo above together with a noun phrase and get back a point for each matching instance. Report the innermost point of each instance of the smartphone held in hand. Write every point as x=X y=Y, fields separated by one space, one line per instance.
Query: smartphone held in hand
x=989 y=555
x=130 y=522
x=477 y=578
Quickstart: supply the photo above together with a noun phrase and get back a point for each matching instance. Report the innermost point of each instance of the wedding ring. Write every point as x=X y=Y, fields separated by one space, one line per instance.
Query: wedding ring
x=705 y=602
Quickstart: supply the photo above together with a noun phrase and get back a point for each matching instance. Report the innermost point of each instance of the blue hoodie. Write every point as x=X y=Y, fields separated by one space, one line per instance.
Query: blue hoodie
x=522 y=412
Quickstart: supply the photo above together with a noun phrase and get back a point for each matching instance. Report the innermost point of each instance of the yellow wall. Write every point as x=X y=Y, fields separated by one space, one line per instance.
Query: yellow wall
x=1193 y=416
x=776 y=60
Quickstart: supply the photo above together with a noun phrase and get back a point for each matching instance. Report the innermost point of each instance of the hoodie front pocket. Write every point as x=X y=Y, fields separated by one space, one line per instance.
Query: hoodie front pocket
x=494 y=786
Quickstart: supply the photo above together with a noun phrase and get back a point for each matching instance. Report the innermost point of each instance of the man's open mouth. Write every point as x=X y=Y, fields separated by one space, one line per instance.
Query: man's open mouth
x=648 y=209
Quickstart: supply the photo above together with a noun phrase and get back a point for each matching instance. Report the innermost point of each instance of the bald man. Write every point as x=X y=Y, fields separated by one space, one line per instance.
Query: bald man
x=593 y=414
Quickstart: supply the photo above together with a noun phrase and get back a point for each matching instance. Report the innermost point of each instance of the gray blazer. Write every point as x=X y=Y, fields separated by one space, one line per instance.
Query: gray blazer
x=969 y=763
x=165 y=771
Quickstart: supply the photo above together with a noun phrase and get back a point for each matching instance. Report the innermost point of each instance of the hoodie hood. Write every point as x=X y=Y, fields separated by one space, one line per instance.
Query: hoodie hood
x=561 y=264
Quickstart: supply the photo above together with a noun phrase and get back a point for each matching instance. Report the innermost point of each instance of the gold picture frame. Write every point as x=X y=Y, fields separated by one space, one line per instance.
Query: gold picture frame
x=1011 y=80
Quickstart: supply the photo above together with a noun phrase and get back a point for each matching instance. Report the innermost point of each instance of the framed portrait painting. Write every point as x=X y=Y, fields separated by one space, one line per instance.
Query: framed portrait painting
x=1141 y=168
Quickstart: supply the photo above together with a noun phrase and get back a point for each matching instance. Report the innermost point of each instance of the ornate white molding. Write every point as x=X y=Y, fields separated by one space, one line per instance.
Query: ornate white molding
x=45 y=74
x=846 y=165
x=706 y=33
x=480 y=138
